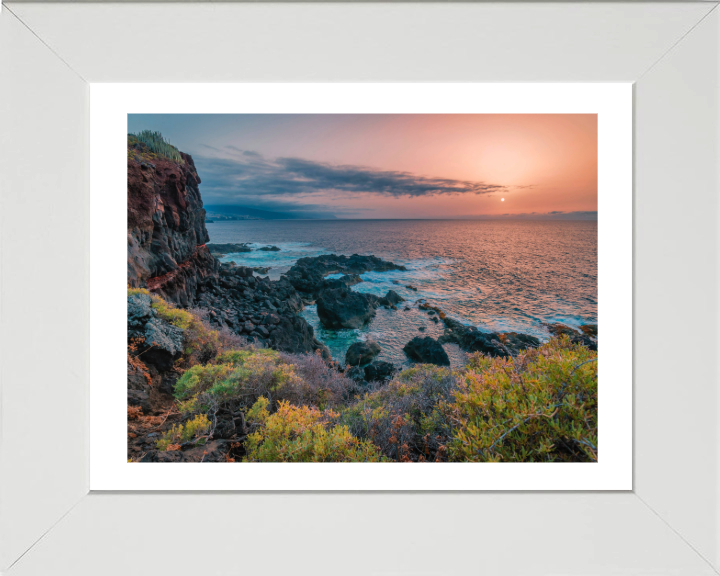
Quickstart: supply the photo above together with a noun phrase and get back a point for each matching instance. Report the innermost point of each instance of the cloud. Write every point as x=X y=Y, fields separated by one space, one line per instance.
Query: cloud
x=273 y=211
x=249 y=175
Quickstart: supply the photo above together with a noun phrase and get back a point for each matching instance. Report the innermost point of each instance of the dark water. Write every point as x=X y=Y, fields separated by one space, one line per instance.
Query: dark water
x=497 y=275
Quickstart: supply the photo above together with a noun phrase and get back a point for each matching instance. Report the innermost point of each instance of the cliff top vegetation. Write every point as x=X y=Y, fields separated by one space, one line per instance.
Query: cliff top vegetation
x=154 y=144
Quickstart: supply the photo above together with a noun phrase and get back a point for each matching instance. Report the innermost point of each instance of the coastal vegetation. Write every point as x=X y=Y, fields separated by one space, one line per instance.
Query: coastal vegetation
x=154 y=144
x=269 y=406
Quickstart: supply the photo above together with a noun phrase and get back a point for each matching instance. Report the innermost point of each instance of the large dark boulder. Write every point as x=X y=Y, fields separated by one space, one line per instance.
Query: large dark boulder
x=393 y=297
x=139 y=311
x=269 y=249
x=426 y=350
x=379 y=371
x=357 y=374
x=361 y=353
x=162 y=343
x=294 y=335
x=343 y=308
x=307 y=274
x=473 y=340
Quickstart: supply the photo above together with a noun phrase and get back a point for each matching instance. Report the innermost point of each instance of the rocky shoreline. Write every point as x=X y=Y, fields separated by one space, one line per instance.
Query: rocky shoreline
x=169 y=254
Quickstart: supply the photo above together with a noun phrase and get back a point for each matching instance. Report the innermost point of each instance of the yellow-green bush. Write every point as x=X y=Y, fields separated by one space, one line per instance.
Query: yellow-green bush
x=538 y=407
x=239 y=375
x=175 y=316
x=179 y=433
x=137 y=291
x=200 y=378
x=303 y=434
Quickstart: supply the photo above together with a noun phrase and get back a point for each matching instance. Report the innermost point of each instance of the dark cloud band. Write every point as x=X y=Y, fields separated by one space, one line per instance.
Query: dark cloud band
x=250 y=175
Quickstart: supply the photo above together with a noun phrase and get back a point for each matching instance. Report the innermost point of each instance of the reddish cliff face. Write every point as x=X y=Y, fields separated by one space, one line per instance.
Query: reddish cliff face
x=166 y=226
x=168 y=256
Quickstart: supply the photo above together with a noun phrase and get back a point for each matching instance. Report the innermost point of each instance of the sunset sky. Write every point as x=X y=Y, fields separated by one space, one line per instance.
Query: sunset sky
x=391 y=166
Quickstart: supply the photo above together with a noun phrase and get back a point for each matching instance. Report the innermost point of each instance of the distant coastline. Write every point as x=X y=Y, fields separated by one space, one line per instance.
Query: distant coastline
x=559 y=216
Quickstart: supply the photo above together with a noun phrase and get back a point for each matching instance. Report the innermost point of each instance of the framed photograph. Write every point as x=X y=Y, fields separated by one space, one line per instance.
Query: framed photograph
x=323 y=280
x=290 y=284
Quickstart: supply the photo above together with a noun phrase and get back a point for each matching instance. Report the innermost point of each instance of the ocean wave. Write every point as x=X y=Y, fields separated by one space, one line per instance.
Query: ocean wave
x=496 y=276
x=278 y=262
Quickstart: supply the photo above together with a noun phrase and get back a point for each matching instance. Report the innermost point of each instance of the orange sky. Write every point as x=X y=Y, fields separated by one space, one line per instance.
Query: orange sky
x=545 y=162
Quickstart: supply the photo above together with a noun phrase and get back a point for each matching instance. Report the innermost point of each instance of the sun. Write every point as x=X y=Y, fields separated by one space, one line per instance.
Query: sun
x=502 y=199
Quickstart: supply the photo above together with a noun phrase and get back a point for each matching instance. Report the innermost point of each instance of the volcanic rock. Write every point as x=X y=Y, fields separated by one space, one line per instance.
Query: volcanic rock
x=379 y=371
x=342 y=282
x=343 y=308
x=308 y=273
x=361 y=353
x=222 y=249
x=392 y=297
x=161 y=342
x=293 y=334
x=426 y=350
x=166 y=221
x=585 y=338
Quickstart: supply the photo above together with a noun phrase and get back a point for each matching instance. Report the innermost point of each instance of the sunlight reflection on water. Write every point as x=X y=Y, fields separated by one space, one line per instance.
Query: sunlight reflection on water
x=497 y=275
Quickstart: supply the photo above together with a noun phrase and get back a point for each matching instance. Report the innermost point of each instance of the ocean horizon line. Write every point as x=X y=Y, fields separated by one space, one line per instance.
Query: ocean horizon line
x=411 y=219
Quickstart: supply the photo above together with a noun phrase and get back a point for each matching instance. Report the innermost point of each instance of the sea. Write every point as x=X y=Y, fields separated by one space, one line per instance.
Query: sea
x=498 y=275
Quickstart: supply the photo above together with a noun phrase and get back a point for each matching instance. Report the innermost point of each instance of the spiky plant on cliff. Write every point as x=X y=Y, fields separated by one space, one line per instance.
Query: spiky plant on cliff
x=156 y=144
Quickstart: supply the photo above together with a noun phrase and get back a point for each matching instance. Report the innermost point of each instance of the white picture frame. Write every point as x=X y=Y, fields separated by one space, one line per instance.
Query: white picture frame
x=50 y=523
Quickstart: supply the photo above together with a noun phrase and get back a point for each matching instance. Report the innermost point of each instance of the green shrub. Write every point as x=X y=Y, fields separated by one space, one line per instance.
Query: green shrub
x=156 y=144
x=236 y=380
x=179 y=433
x=201 y=377
x=403 y=418
x=259 y=413
x=302 y=434
x=538 y=407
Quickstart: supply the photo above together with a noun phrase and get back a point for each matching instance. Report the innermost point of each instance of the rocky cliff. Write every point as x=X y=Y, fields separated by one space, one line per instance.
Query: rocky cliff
x=166 y=226
x=167 y=254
